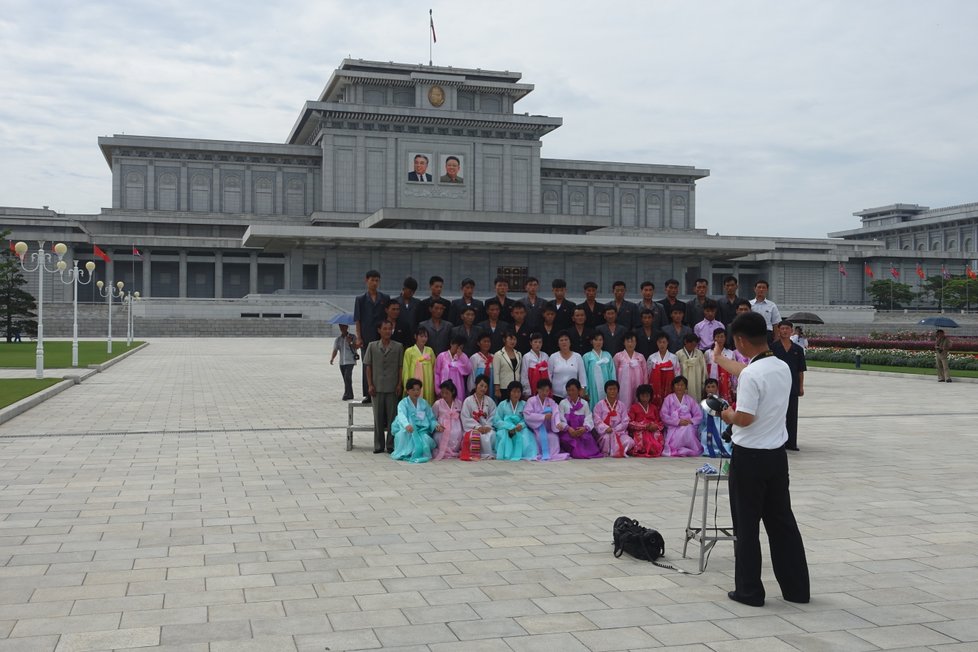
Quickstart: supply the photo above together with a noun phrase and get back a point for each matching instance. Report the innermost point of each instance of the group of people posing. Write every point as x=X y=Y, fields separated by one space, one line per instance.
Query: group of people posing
x=532 y=379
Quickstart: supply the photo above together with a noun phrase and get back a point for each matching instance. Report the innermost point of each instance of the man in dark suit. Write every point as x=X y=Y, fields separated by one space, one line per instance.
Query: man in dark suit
x=420 y=172
x=671 y=301
x=467 y=301
x=563 y=309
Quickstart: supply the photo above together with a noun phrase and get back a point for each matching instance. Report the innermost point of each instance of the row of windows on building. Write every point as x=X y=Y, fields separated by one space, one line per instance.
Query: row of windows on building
x=465 y=100
x=628 y=209
x=936 y=245
x=200 y=200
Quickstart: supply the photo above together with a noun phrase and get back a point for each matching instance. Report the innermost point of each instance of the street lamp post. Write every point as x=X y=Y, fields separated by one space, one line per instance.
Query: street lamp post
x=128 y=300
x=110 y=293
x=73 y=278
x=41 y=258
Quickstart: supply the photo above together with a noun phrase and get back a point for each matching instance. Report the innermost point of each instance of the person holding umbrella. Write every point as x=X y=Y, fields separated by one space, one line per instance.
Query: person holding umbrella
x=343 y=347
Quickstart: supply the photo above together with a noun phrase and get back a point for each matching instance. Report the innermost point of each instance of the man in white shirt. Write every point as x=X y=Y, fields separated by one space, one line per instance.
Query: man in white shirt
x=758 y=482
x=765 y=308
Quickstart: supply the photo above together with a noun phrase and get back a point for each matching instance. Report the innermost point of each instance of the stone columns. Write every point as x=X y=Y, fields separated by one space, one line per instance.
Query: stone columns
x=183 y=274
x=253 y=273
x=218 y=275
x=147 y=276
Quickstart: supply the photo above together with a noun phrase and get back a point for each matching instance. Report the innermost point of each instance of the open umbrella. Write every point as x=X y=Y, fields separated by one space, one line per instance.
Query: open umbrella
x=805 y=318
x=940 y=322
x=342 y=318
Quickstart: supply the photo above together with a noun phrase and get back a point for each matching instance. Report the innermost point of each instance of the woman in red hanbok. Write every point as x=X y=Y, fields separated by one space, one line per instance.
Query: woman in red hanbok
x=644 y=425
x=663 y=367
x=611 y=423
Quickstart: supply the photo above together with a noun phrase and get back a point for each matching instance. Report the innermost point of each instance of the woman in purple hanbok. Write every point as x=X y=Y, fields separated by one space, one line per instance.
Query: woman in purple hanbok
x=454 y=365
x=543 y=417
x=577 y=437
x=611 y=423
x=682 y=416
x=447 y=411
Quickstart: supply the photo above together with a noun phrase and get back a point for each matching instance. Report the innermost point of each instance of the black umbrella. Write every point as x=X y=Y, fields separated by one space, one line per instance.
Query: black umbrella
x=805 y=318
x=940 y=322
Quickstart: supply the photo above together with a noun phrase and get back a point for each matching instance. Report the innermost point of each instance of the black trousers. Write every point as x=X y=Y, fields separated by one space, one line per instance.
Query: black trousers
x=346 y=370
x=758 y=486
x=791 y=421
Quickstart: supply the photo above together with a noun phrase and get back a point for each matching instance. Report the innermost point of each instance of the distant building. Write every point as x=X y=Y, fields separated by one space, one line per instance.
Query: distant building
x=421 y=170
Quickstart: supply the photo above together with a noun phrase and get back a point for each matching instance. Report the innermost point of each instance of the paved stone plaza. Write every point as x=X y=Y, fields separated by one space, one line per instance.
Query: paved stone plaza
x=198 y=496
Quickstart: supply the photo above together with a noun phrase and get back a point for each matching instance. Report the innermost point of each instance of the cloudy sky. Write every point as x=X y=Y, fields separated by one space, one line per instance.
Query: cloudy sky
x=804 y=111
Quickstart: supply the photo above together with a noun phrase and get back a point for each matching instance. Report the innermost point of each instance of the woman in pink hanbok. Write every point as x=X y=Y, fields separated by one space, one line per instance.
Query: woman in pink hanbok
x=453 y=365
x=447 y=411
x=631 y=371
x=542 y=415
x=682 y=415
x=611 y=423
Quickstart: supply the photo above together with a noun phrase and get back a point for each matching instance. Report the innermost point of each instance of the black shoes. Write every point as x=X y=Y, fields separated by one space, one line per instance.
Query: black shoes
x=366 y=401
x=733 y=595
x=792 y=448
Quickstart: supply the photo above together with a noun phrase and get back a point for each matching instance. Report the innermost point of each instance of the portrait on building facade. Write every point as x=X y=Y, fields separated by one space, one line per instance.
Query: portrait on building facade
x=436 y=95
x=419 y=167
x=452 y=165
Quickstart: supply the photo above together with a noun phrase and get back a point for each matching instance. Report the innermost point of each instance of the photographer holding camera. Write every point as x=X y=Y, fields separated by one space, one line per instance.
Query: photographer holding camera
x=758 y=480
x=343 y=346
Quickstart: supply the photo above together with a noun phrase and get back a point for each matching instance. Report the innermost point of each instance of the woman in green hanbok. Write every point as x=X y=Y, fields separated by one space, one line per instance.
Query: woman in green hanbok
x=413 y=426
x=514 y=440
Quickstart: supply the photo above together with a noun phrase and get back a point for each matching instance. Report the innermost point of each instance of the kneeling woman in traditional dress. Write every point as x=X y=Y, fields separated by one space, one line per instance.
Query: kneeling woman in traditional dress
x=611 y=423
x=413 y=426
x=577 y=438
x=644 y=424
x=448 y=410
x=513 y=439
x=477 y=411
x=682 y=416
x=543 y=416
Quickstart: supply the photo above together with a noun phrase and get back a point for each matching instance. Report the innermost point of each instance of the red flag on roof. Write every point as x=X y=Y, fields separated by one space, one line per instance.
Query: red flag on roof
x=431 y=19
x=101 y=254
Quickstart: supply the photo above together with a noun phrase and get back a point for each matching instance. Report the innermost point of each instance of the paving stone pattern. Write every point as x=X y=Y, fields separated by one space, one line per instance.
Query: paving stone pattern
x=197 y=496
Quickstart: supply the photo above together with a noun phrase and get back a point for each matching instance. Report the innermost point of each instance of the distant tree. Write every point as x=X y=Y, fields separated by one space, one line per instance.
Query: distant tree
x=934 y=288
x=961 y=292
x=17 y=305
x=887 y=293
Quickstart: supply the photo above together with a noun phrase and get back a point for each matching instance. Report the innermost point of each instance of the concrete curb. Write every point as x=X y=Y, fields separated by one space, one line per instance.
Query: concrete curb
x=892 y=374
x=119 y=358
x=25 y=404
x=69 y=380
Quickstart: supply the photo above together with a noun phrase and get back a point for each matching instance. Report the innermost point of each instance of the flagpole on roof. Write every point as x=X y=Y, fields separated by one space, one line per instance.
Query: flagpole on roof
x=431 y=35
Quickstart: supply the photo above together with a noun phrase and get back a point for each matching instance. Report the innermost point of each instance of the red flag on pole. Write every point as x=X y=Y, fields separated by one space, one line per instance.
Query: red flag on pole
x=970 y=272
x=894 y=272
x=868 y=271
x=135 y=252
x=842 y=269
x=920 y=272
x=431 y=20
x=946 y=275
x=101 y=254
x=13 y=249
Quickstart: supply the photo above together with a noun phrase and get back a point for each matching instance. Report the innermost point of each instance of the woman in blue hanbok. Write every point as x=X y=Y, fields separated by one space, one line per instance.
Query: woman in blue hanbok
x=599 y=368
x=514 y=440
x=413 y=426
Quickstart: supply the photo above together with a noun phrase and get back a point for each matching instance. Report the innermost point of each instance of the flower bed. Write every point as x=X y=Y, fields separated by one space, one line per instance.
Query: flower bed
x=890 y=357
x=957 y=343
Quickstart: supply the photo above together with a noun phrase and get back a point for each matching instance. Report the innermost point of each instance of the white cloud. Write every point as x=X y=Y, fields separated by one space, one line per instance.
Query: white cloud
x=803 y=111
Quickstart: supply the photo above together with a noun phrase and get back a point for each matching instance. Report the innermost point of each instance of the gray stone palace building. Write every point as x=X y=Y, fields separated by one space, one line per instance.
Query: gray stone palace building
x=420 y=170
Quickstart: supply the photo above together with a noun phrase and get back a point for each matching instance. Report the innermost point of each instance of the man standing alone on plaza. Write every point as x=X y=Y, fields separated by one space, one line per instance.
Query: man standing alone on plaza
x=382 y=367
x=793 y=356
x=343 y=346
x=942 y=344
x=758 y=481
x=368 y=312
